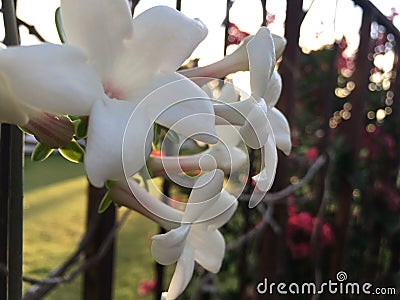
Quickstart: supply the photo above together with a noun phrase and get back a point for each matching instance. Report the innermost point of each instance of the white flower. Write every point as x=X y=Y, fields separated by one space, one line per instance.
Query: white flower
x=198 y=238
x=266 y=86
x=131 y=60
x=193 y=234
x=136 y=61
x=261 y=124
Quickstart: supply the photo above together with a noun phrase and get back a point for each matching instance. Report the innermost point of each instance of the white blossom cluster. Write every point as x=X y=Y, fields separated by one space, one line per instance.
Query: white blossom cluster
x=120 y=76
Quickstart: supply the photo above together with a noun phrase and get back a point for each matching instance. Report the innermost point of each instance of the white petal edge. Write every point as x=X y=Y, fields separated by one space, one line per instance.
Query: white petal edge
x=265 y=178
x=183 y=273
x=99 y=27
x=280 y=44
x=281 y=130
x=220 y=213
x=209 y=248
x=175 y=38
x=117 y=146
x=273 y=89
x=205 y=193
x=262 y=61
x=255 y=130
x=168 y=247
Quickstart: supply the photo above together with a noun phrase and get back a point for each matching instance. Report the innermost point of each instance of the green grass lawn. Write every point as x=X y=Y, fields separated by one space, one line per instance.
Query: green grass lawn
x=54 y=217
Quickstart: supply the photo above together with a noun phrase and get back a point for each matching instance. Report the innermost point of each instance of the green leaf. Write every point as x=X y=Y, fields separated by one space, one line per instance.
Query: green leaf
x=105 y=203
x=25 y=130
x=157 y=136
x=41 y=152
x=109 y=183
x=145 y=173
x=80 y=127
x=59 y=25
x=73 y=152
x=173 y=136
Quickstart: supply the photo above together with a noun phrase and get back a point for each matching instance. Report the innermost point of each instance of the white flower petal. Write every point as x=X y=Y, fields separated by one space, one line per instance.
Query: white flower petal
x=228 y=93
x=233 y=113
x=229 y=159
x=265 y=179
x=255 y=130
x=116 y=145
x=209 y=248
x=99 y=27
x=205 y=192
x=183 y=273
x=179 y=104
x=273 y=89
x=280 y=44
x=163 y=39
x=220 y=213
x=168 y=247
x=51 y=78
x=206 y=88
x=228 y=135
x=262 y=61
x=281 y=130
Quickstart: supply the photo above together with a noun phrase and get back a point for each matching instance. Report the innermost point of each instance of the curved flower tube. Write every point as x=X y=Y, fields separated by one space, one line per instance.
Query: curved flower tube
x=136 y=61
x=193 y=234
x=40 y=84
x=51 y=78
x=234 y=62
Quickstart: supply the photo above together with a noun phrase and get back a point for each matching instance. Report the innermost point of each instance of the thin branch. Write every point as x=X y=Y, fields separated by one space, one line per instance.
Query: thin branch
x=31 y=29
x=279 y=196
x=266 y=219
x=273 y=198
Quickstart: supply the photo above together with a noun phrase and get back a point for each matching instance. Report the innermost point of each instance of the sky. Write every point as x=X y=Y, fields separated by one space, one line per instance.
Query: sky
x=246 y=14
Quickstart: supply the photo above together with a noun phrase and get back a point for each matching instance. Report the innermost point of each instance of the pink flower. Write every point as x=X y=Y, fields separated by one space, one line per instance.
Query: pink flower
x=146 y=287
x=311 y=154
x=235 y=35
x=300 y=228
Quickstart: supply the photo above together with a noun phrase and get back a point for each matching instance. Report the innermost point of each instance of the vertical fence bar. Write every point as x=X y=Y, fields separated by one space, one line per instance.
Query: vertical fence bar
x=226 y=23
x=11 y=178
x=98 y=279
x=3 y=221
